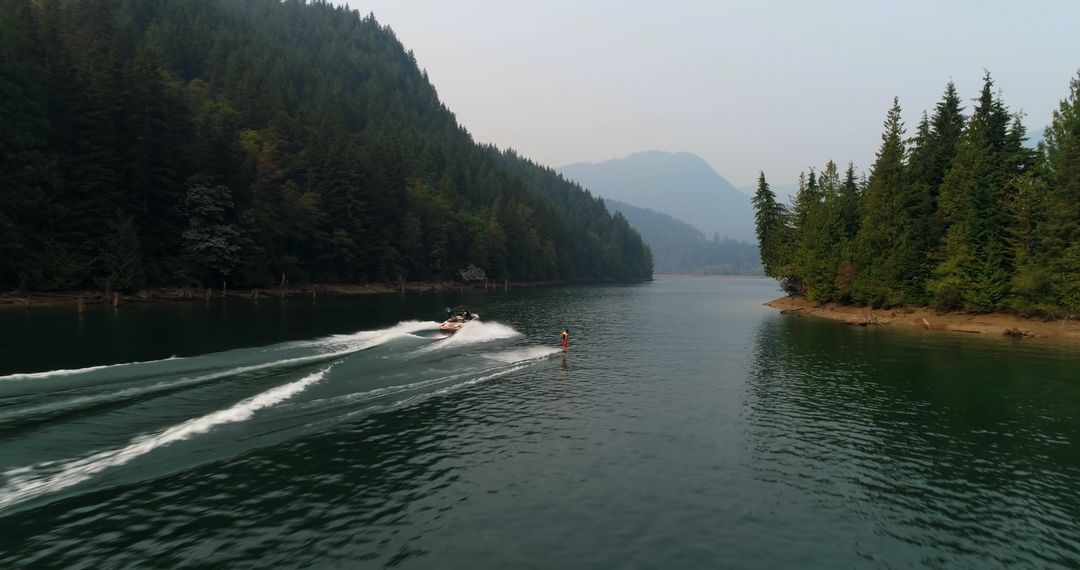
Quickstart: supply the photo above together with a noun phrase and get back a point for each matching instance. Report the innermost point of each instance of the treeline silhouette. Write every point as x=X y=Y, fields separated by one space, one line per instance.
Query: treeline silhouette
x=153 y=142
x=961 y=216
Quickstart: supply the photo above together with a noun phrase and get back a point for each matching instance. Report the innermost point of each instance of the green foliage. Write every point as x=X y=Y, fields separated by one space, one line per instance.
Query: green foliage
x=773 y=232
x=973 y=200
x=883 y=219
x=121 y=259
x=211 y=241
x=963 y=216
x=473 y=273
x=319 y=148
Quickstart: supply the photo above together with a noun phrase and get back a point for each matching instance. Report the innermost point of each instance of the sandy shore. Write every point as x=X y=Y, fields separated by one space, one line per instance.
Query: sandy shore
x=923 y=318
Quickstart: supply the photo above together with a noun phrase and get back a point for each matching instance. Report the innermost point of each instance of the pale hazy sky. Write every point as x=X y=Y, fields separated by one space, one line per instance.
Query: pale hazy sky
x=749 y=86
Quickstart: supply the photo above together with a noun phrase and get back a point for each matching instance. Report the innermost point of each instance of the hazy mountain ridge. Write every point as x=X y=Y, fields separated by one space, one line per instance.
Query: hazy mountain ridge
x=678 y=247
x=681 y=185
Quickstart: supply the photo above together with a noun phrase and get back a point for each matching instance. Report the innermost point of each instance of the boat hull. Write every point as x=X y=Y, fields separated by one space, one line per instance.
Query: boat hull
x=449 y=327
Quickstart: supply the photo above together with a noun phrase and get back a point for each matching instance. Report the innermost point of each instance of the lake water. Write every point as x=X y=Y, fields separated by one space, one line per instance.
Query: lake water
x=687 y=427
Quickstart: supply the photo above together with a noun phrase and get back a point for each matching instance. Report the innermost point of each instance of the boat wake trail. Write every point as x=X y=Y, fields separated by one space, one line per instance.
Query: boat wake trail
x=523 y=354
x=29 y=482
x=74 y=371
x=99 y=427
x=324 y=349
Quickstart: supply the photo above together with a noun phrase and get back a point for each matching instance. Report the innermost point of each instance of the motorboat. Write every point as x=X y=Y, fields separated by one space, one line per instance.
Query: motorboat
x=457 y=318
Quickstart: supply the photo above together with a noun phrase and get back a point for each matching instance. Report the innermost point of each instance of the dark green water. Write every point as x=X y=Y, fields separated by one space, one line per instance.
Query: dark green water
x=688 y=427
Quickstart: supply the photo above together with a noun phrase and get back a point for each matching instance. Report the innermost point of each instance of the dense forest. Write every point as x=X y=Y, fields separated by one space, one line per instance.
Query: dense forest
x=961 y=216
x=678 y=247
x=172 y=142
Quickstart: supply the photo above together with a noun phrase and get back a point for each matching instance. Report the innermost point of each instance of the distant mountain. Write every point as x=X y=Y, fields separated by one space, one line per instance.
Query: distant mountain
x=680 y=184
x=678 y=247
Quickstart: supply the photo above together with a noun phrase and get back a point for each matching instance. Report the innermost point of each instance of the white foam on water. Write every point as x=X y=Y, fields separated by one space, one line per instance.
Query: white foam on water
x=22 y=483
x=120 y=395
x=362 y=337
x=74 y=371
x=473 y=333
x=345 y=343
x=340 y=344
x=376 y=393
x=523 y=354
x=382 y=408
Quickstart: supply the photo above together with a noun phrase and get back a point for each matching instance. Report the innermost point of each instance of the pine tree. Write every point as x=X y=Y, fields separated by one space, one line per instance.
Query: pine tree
x=974 y=268
x=770 y=219
x=882 y=219
x=121 y=257
x=1060 y=250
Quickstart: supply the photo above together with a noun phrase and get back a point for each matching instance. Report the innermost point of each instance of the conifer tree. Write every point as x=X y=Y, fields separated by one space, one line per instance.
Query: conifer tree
x=932 y=152
x=974 y=269
x=770 y=219
x=1060 y=251
x=882 y=217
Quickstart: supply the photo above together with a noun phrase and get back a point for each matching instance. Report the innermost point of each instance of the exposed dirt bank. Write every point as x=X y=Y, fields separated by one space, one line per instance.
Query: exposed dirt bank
x=997 y=324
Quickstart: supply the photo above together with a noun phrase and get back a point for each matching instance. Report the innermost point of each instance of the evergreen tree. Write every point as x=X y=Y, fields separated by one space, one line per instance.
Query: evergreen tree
x=1060 y=249
x=974 y=271
x=932 y=152
x=121 y=259
x=883 y=218
x=770 y=219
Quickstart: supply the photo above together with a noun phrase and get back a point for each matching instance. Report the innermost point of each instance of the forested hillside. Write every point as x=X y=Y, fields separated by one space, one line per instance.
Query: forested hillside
x=678 y=247
x=147 y=142
x=961 y=216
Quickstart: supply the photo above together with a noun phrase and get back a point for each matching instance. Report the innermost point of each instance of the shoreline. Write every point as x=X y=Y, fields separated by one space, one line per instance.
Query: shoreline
x=80 y=299
x=924 y=318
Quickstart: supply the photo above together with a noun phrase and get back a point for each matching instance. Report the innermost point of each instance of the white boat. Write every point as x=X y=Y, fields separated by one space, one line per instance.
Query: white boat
x=457 y=318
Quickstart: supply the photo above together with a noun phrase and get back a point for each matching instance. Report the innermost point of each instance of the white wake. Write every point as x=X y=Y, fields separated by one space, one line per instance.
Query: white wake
x=25 y=483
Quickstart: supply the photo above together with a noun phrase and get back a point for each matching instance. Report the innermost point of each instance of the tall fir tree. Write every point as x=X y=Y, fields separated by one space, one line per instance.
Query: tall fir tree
x=1060 y=255
x=771 y=219
x=883 y=218
x=974 y=267
x=932 y=152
